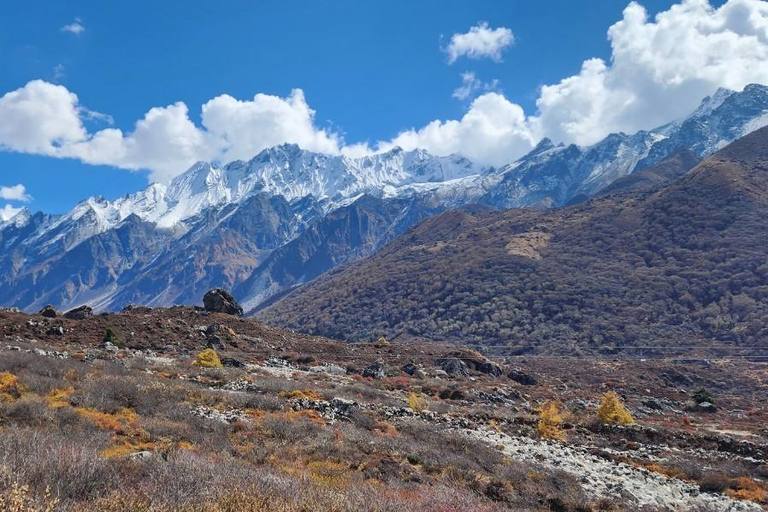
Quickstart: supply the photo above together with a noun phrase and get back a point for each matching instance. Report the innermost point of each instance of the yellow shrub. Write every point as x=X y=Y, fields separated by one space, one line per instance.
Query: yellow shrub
x=611 y=410
x=301 y=393
x=113 y=422
x=20 y=499
x=208 y=358
x=550 y=419
x=382 y=342
x=10 y=388
x=748 y=489
x=59 y=397
x=416 y=402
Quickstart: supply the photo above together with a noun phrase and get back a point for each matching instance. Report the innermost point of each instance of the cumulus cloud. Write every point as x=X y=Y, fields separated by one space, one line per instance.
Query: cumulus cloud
x=659 y=70
x=47 y=119
x=15 y=193
x=471 y=85
x=76 y=27
x=240 y=129
x=8 y=212
x=40 y=118
x=481 y=42
x=494 y=130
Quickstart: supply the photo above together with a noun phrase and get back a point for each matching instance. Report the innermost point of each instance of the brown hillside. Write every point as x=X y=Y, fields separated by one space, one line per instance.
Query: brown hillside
x=678 y=267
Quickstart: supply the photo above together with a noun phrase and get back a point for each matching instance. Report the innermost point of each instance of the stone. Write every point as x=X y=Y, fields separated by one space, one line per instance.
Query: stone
x=706 y=407
x=329 y=369
x=49 y=312
x=526 y=379
x=231 y=362
x=219 y=300
x=142 y=455
x=80 y=313
x=55 y=330
x=409 y=369
x=376 y=370
x=490 y=368
x=454 y=367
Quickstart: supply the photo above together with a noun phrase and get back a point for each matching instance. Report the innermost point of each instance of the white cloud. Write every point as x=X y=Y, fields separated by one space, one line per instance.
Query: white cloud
x=659 y=70
x=480 y=42
x=15 y=193
x=7 y=212
x=76 y=27
x=43 y=118
x=470 y=85
x=494 y=130
x=39 y=118
x=240 y=129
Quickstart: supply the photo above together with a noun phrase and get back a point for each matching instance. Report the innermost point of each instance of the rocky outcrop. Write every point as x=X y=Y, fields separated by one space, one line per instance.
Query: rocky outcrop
x=375 y=370
x=80 y=313
x=49 y=312
x=454 y=367
x=219 y=300
x=519 y=376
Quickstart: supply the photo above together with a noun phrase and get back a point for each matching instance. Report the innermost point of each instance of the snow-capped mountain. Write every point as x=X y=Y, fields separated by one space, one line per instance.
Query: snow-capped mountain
x=287 y=215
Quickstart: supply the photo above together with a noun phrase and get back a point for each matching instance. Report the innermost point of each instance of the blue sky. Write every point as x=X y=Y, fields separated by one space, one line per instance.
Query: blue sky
x=369 y=70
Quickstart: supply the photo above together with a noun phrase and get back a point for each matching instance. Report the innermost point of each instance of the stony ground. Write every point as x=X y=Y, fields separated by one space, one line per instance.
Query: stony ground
x=420 y=427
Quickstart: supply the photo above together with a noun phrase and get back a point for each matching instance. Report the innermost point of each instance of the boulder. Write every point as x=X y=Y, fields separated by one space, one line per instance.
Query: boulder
x=231 y=362
x=80 y=313
x=473 y=361
x=526 y=379
x=376 y=370
x=55 y=330
x=454 y=367
x=221 y=301
x=490 y=368
x=49 y=312
x=409 y=368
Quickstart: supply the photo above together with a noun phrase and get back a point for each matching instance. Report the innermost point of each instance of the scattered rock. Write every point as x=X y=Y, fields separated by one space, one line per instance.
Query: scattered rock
x=330 y=369
x=55 y=330
x=376 y=370
x=142 y=455
x=490 y=368
x=212 y=329
x=409 y=369
x=219 y=300
x=652 y=403
x=526 y=379
x=452 y=394
x=80 y=313
x=454 y=367
x=231 y=362
x=110 y=347
x=706 y=407
x=49 y=312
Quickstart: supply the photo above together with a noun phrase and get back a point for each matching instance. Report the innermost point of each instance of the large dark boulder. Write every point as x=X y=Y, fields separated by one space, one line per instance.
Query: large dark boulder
x=375 y=370
x=49 y=312
x=80 y=313
x=454 y=367
x=526 y=379
x=219 y=300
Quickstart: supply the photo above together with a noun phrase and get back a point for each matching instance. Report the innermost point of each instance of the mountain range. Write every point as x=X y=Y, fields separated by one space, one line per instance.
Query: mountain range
x=674 y=260
x=283 y=218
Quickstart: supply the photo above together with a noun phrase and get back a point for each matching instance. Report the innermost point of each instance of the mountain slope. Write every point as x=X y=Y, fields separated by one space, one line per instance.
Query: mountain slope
x=284 y=217
x=685 y=264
